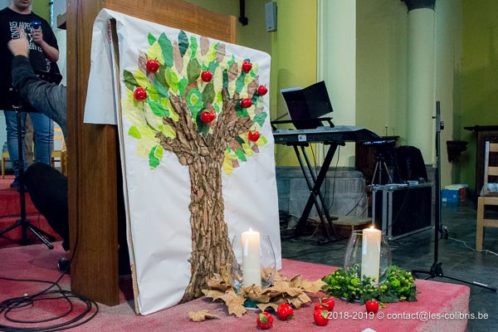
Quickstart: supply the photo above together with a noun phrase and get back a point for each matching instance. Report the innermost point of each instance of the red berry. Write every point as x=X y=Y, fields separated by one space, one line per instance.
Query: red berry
x=262 y=90
x=321 y=317
x=245 y=103
x=206 y=76
x=246 y=66
x=328 y=303
x=140 y=94
x=253 y=136
x=372 y=306
x=207 y=116
x=152 y=65
x=285 y=311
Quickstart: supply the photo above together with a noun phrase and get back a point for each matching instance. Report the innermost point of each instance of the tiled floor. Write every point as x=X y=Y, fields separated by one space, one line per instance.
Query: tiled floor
x=457 y=255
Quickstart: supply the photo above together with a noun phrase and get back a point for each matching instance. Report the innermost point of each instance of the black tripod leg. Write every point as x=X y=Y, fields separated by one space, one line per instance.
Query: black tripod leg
x=40 y=234
x=11 y=227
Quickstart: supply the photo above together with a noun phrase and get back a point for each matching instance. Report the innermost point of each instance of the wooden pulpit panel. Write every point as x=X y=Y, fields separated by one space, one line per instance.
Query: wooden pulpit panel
x=93 y=162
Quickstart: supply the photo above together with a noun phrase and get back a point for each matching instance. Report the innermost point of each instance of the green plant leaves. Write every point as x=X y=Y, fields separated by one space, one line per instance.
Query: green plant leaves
x=134 y=132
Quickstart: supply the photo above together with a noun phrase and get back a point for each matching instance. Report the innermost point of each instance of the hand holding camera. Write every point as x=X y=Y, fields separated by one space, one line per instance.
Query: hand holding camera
x=36 y=32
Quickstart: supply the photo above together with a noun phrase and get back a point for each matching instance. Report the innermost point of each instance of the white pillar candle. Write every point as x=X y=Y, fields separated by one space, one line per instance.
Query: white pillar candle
x=370 y=253
x=251 y=268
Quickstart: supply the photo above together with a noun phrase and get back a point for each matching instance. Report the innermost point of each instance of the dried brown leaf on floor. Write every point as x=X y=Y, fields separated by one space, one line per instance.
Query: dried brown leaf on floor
x=264 y=306
x=234 y=303
x=214 y=294
x=201 y=315
x=312 y=286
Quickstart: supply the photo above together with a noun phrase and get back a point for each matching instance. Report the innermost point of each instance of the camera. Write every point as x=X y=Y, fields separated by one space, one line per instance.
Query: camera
x=35 y=24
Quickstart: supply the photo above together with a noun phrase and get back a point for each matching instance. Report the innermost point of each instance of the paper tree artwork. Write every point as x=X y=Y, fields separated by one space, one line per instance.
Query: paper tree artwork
x=196 y=150
x=191 y=98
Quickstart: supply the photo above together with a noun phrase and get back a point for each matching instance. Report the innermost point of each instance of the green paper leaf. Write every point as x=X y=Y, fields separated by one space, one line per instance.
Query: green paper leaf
x=134 y=132
x=260 y=118
x=239 y=140
x=193 y=46
x=239 y=84
x=151 y=39
x=161 y=87
x=240 y=154
x=155 y=156
x=157 y=108
x=225 y=79
x=167 y=49
x=193 y=70
x=129 y=80
x=182 y=86
x=182 y=42
x=242 y=112
x=212 y=66
x=194 y=101
x=208 y=93
x=171 y=79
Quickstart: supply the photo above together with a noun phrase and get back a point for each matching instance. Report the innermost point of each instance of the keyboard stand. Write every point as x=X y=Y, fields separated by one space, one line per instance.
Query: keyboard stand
x=314 y=182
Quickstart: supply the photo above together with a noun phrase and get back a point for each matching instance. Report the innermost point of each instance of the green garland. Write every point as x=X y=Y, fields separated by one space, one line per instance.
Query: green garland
x=397 y=285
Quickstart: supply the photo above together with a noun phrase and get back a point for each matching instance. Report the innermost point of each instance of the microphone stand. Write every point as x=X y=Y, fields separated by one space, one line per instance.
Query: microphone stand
x=436 y=270
x=22 y=222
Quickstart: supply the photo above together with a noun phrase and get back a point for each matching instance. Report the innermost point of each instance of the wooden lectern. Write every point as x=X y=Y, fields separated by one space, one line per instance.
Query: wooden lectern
x=95 y=199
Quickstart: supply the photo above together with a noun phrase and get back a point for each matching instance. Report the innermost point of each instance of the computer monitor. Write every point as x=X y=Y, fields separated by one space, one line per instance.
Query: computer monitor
x=306 y=106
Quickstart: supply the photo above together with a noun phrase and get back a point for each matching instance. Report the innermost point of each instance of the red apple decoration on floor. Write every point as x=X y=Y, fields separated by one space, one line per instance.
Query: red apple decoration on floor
x=321 y=317
x=262 y=90
x=208 y=116
x=328 y=303
x=246 y=66
x=152 y=65
x=253 y=135
x=140 y=94
x=372 y=306
x=206 y=76
x=245 y=103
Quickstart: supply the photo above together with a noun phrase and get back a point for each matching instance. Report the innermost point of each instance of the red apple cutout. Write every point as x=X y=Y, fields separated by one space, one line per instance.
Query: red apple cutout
x=253 y=136
x=246 y=66
x=140 y=94
x=262 y=90
x=206 y=76
x=208 y=116
x=245 y=103
x=372 y=306
x=152 y=65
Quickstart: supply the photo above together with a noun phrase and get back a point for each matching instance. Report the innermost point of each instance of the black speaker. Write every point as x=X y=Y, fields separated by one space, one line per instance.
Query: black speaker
x=410 y=164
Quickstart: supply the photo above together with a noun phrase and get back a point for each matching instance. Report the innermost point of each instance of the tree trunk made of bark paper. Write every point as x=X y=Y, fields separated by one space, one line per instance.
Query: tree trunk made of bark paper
x=192 y=98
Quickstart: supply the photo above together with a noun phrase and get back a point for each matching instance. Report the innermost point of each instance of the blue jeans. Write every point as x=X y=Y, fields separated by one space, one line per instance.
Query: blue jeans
x=43 y=137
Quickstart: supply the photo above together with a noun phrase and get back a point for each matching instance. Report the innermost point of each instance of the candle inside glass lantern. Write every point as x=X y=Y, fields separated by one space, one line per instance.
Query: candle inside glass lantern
x=370 y=253
x=251 y=267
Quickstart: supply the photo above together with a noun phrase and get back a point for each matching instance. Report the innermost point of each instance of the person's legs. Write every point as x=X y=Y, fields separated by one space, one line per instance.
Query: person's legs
x=12 y=144
x=44 y=137
x=48 y=190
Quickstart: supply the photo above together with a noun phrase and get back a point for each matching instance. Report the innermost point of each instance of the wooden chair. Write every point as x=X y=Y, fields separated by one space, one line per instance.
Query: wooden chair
x=5 y=157
x=59 y=152
x=488 y=195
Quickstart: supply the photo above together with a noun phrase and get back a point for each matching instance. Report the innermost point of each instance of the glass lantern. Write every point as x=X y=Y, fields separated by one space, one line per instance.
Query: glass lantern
x=355 y=252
